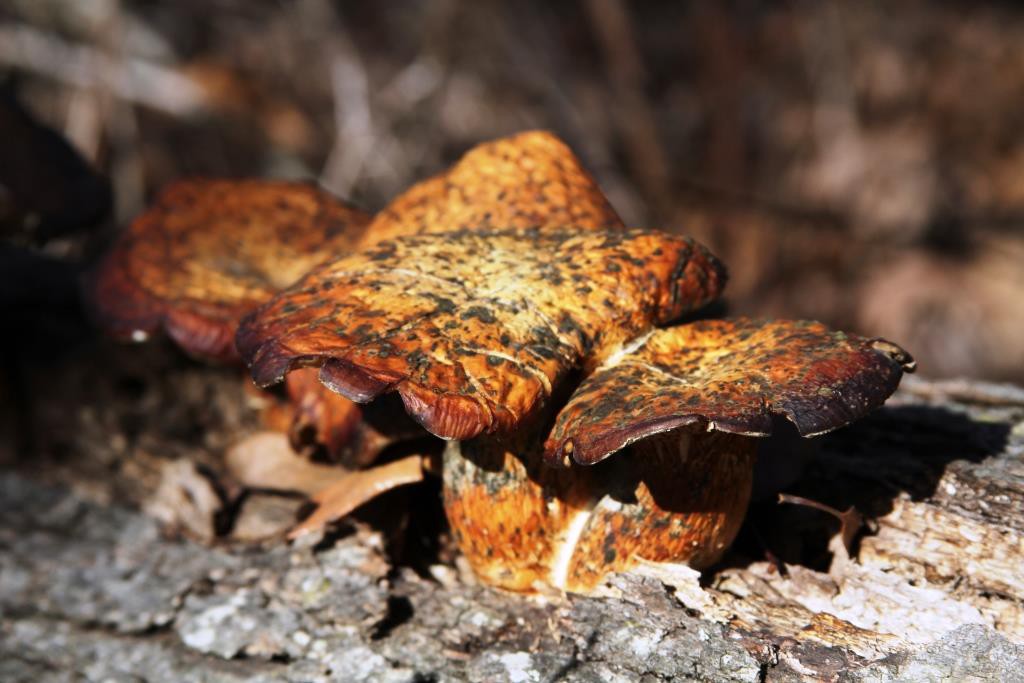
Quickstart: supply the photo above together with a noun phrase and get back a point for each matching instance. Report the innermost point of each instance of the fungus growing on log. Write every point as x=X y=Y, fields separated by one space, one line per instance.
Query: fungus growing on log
x=508 y=307
x=481 y=332
x=681 y=404
x=666 y=429
x=730 y=376
x=209 y=251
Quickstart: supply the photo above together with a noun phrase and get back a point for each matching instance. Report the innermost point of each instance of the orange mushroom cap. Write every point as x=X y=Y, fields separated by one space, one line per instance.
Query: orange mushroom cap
x=529 y=180
x=474 y=329
x=502 y=206
x=730 y=376
x=209 y=251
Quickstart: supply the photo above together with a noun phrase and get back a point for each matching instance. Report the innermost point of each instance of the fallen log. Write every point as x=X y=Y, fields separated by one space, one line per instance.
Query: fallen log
x=933 y=590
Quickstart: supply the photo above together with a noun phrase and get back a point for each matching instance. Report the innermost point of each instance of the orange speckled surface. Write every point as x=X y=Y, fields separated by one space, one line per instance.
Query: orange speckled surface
x=209 y=251
x=676 y=498
x=507 y=511
x=522 y=525
x=529 y=180
x=730 y=375
x=475 y=329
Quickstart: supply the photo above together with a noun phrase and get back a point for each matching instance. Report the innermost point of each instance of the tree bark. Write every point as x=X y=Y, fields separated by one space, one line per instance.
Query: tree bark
x=933 y=591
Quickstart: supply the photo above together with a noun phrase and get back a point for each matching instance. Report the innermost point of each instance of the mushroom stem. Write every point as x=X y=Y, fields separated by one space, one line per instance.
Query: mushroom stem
x=678 y=497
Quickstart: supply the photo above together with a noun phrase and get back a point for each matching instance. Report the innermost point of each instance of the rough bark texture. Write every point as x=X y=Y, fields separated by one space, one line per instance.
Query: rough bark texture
x=92 y=591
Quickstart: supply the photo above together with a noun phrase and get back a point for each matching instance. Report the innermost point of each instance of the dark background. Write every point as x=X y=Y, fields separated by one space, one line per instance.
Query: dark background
x=857 y=162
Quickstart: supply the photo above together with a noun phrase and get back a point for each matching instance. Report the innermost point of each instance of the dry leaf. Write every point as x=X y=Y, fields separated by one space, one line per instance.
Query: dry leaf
x=264 y=517
x=265 y=460
x=345 y=495
x=185 y=500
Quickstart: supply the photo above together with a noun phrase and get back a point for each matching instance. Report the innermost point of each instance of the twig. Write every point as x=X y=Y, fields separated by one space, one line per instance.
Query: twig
x=132 y=79
x=613 y=28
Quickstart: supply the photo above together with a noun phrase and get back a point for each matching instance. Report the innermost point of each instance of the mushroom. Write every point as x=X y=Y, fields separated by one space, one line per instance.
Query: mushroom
x=683 y=408
x=482 y=334
x=511 y=312
x=475 y=328
x=530 y=180
x=209 y=251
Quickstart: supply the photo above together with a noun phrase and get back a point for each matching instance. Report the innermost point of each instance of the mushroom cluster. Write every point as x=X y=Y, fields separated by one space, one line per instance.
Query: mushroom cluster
x=516 y=317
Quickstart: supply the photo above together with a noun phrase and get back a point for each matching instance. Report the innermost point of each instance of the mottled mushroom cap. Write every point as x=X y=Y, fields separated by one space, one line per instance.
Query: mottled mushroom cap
x=529 y=180
x=209 y=251
x=730 y=376
x=475 y=329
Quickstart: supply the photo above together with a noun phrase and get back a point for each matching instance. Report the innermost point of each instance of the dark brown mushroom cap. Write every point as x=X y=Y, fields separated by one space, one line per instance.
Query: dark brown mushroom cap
x=209 y=251
x=728 y=375
x=475 y=328
x=529 y=180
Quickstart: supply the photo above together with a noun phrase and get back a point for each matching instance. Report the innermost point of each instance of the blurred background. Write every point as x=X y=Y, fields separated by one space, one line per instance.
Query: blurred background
x=861 y=163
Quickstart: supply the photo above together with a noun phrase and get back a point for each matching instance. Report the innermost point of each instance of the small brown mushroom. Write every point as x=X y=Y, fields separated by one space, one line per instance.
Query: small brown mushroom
x=209 y=251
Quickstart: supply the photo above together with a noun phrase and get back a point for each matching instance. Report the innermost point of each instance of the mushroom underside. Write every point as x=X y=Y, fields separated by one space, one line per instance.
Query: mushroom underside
x=682 y=412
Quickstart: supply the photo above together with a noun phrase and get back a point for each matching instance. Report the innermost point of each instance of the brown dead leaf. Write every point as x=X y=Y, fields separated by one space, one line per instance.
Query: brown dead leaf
x=265 y=460
x=344 y=495
x=265 y=516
